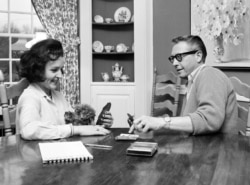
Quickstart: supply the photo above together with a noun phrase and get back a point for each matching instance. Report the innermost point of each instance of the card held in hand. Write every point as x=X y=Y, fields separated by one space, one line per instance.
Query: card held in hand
x=101 y=115
x=142 y=148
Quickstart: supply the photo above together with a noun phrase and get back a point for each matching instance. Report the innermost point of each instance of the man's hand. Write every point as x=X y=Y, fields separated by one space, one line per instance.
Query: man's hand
x=147 y=123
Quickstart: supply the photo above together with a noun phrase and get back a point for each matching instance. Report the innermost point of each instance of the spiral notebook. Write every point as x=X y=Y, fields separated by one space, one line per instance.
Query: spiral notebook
x=60 y=152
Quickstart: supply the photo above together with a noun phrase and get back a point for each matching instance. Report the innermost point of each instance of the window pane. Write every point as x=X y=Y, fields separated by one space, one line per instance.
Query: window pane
x=4 y=66
x=18 y=46
x=37 y=25
x=15 y=69
x=33 y=10
x=3 y=22
x=4 y=5
x=23 y=5
x=4 y=47
x=20 y=23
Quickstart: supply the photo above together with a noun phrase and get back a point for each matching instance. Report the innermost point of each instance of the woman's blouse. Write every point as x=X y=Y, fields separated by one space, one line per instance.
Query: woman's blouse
x=40 y=116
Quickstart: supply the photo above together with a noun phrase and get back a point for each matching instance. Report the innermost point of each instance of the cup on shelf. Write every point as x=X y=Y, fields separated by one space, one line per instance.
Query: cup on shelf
x=98 y=19
x=105 y=76
x=124 y=78
x=108 y=20
x=109 y=48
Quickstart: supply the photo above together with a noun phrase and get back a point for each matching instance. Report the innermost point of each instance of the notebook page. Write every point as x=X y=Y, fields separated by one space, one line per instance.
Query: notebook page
x=61 y=151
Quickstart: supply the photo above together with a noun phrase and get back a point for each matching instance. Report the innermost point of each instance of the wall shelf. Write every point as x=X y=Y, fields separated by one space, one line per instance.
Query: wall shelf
x=130 y=96
x=113 y=24
x=112 y=34
x=113 y=53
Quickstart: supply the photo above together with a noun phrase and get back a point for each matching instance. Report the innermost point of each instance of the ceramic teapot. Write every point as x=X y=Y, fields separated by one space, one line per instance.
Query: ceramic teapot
x=105 y=76
x=117 y=72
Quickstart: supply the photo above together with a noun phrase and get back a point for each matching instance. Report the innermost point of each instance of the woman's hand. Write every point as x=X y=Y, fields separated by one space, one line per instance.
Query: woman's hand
x=88 y=130
x=107 y=119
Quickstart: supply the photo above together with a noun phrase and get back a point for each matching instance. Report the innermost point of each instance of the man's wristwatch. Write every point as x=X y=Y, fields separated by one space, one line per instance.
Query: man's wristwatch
x=167 y=120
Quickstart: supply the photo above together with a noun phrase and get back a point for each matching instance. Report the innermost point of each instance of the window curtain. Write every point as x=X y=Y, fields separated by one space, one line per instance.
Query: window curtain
x=60 y=20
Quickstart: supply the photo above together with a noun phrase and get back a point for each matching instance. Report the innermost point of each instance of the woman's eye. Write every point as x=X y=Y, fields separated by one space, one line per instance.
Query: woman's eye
x=54 y=70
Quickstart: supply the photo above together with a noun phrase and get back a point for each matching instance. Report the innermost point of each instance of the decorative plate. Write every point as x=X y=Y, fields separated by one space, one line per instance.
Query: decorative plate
x=97 y=46
x=122 y=14
x=98 y=19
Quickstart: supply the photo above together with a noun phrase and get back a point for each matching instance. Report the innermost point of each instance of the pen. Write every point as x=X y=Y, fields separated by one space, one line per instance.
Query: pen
x=99 y=146
x=131 y=129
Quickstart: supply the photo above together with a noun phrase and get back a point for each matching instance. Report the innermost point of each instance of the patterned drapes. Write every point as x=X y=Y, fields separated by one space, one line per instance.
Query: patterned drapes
x=60 y=20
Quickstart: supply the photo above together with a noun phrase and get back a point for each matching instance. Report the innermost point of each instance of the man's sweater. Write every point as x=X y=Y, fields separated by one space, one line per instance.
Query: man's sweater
x=212 y=104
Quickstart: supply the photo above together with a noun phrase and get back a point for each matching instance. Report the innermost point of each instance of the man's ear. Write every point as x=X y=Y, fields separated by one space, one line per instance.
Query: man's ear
x=198 y=56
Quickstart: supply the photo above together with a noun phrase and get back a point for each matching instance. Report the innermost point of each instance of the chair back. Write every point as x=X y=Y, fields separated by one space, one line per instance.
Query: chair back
x=242 y=95
x=165 y=94
x=7 y=93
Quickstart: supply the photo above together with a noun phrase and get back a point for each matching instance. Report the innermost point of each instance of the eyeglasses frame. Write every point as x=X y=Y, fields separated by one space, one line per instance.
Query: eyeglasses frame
x=181 y=55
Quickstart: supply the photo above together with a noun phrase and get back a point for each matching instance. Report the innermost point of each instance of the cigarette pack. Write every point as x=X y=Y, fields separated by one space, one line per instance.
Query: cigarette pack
x=142 y=148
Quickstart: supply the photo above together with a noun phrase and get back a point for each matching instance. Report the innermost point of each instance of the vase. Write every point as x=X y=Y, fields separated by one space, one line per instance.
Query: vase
x=218 y=48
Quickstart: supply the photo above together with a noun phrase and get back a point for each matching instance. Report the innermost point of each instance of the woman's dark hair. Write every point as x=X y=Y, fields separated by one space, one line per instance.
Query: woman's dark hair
x=195 y=41
x=33 y=61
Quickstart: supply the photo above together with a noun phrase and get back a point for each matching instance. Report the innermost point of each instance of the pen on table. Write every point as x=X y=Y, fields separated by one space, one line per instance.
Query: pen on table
x=99 y=146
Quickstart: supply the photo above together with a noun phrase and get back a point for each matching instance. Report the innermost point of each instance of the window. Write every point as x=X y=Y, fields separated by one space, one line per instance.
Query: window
x=18 y=24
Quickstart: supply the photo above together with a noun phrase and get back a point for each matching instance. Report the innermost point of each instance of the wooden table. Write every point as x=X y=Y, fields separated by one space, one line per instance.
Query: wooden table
x=181 y=159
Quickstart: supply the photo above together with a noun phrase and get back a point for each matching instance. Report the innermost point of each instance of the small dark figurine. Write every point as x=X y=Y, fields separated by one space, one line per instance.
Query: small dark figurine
x=83 y=115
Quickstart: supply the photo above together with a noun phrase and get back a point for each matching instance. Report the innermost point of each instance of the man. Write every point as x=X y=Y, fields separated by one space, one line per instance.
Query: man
x=210 y=100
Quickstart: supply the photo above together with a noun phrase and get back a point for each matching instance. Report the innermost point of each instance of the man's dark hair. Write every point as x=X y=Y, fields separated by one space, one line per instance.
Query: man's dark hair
x=194 y=41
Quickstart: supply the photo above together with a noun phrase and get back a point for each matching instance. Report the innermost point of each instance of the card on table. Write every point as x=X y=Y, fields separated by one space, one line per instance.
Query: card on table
x=126 y=137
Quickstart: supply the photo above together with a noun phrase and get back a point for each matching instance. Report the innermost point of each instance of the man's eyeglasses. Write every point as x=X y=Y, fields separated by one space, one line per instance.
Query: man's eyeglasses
x=179 y=56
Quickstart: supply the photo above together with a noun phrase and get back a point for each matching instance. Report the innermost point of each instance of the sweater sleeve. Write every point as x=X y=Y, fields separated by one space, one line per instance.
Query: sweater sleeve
x=211 y=94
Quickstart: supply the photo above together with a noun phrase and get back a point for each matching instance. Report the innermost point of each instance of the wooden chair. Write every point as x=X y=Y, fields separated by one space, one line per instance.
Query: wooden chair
x=7 y=93
x=243 y=95
x=165 y=94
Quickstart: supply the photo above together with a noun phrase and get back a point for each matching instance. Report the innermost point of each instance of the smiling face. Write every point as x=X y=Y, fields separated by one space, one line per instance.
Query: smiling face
x=52 y=75
x=189 y=62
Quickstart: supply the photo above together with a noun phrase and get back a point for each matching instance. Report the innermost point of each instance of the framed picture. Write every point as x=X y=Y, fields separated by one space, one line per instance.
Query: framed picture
x=236 y=50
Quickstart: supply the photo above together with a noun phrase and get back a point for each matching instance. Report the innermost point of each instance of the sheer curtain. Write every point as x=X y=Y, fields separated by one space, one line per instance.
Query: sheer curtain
x=60 y=20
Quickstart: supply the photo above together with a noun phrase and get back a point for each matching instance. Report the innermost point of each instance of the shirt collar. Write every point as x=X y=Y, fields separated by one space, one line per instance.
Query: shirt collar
x=195 y=73
x=41 y=92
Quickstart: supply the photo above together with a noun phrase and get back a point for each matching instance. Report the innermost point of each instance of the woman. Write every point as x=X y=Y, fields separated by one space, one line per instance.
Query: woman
x=41 y=108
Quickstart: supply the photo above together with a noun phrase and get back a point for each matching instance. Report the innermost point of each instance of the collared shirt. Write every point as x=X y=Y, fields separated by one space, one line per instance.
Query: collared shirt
x=192 y=77
x=40 y=117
